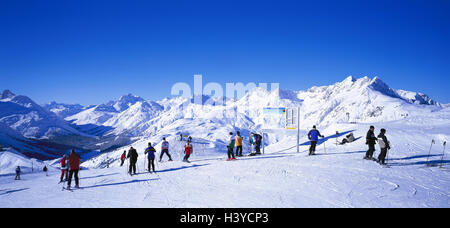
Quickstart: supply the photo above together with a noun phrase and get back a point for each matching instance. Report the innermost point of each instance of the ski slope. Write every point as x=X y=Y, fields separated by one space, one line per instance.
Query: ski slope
x=336 y=177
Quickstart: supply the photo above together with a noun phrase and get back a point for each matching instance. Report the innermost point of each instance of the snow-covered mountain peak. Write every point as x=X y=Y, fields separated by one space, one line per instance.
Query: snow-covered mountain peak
x=6 y=94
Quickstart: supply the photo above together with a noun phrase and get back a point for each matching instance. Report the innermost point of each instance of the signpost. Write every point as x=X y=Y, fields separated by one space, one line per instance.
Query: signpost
x=282 y=119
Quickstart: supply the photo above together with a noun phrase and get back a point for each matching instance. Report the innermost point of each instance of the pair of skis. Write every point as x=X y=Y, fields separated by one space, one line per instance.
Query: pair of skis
x=70 y=189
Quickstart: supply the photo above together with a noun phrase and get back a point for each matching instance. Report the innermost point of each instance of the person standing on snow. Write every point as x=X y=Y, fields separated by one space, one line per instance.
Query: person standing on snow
x=257 y=142
x=251 y=143
x=123 y=157
x=151 y=157
x=74 y=168
x=384 y=146
x=64 y=169
x=133 y=155
x=230 y=147
x=187 y=151
x=313 y=136
x=370 y=141
x=238 y=142
x=164 y=150
x=17 y=173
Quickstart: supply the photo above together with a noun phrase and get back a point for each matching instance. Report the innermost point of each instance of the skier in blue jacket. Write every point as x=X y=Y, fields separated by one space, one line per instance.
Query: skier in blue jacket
x=313 y=136
x=151 y=157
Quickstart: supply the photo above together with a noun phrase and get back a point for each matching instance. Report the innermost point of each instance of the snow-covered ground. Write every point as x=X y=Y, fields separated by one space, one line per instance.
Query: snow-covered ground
x=336 y=177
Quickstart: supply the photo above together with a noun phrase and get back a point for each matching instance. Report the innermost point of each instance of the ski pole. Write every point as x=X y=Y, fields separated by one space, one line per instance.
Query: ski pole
x=443 y=153
x=428 y=157
x=145 y=161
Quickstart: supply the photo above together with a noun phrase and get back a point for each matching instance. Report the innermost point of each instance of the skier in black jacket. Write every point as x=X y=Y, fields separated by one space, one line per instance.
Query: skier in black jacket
x=133 y=155
x=370 y=141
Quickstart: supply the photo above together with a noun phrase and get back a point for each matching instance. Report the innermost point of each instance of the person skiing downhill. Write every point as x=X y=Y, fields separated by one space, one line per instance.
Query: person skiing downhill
x=238 y=142
x=384 y=146
x=133 y=155
x=151 y=157
x=313 y=136
x=187 y=151
x=230 y=147
x=370 y=141
x=74 y=167
x=64 y=169
x=165 y=150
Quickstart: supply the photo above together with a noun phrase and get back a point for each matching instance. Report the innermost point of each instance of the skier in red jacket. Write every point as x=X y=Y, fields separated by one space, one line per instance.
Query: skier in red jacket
x=122 y=158
x=187 y=151
x=74 y=167
x=64 y=171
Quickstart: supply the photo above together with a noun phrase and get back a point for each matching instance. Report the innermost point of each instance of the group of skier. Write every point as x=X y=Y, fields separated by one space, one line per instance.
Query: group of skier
x=236 y=141
x=383 y=142
x=70 y=166
x=371 y=140
x=150 y=151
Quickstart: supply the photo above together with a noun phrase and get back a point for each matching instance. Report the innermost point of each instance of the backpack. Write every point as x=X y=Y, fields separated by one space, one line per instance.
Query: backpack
x=381 y=143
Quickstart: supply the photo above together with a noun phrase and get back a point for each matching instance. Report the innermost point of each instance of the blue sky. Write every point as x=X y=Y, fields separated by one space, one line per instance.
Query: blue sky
x=89 y=52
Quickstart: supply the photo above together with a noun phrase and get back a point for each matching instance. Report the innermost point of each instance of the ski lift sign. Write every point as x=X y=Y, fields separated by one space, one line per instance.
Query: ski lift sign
x=280 y=118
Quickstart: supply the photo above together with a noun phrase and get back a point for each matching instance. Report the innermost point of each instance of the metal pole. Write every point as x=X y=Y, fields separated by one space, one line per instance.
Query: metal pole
x=263 y=143
x=443 y=153
x=298 y=129
x=428 y=157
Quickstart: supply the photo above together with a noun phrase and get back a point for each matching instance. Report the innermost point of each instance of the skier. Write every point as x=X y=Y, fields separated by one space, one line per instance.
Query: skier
x=370 y=141
x=64 y=169
x=17 y=173
x=238 y=142
x=313 y=136
x=187 y=151
x=133 y=155
x=251 y=143
x=123 y=157
x=165 y=150
x=190 y=139
x=258 y=139
x=384 y=146
x=230 y=147
x=45 y=170
x=74 y=167
x=348 y=139
x=151 y=157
